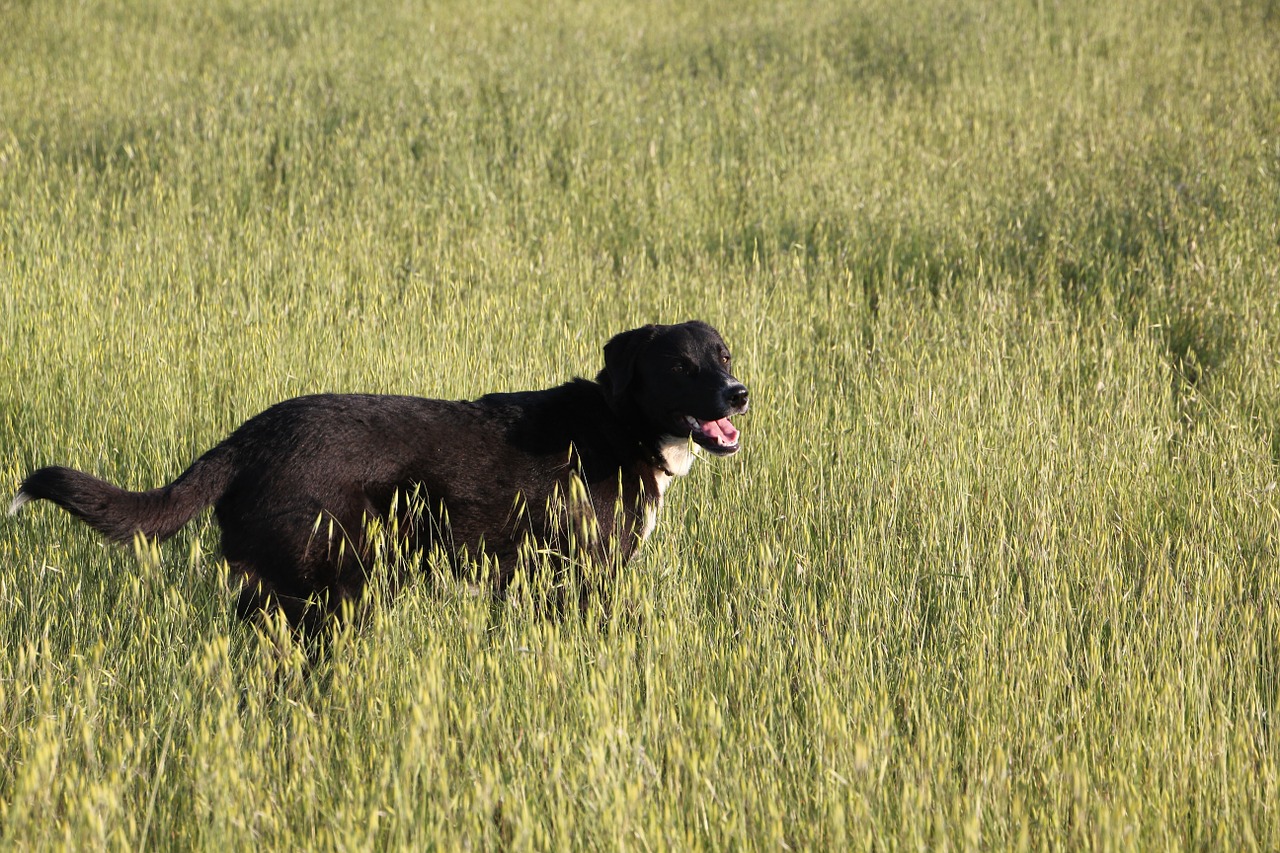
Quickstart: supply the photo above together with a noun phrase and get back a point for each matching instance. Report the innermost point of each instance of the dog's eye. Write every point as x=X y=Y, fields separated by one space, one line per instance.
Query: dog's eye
x=724 y=359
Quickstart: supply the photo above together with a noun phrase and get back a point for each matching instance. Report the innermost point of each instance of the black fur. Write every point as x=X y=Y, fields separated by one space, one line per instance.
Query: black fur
x=294 y=487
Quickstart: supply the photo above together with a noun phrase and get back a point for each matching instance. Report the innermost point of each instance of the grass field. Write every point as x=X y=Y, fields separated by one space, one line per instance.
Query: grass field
x=996 y=568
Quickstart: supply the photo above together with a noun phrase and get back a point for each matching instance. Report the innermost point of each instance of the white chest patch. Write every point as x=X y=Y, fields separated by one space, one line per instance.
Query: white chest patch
x=677 y=456
x=650 y=520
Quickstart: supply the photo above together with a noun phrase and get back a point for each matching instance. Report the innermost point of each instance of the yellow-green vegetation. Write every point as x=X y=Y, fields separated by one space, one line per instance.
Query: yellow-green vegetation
x=996 y=568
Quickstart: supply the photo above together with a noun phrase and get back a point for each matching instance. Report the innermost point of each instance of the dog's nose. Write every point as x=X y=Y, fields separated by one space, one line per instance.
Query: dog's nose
x=736 y=394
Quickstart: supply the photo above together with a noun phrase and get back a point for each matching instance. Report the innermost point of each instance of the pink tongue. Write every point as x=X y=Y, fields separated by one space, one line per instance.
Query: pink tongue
x=722 y=431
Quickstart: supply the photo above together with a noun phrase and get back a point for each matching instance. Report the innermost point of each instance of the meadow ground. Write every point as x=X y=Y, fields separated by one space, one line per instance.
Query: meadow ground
x=996 y=568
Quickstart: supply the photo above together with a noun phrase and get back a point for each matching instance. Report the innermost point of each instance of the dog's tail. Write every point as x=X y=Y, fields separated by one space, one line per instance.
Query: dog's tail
x=120 y=514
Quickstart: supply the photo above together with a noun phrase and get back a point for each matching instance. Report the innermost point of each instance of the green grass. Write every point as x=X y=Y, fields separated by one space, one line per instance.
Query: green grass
x=996 y=568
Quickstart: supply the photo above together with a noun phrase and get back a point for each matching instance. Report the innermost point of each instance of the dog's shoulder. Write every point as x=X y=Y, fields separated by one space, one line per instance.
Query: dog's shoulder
x=547 y=421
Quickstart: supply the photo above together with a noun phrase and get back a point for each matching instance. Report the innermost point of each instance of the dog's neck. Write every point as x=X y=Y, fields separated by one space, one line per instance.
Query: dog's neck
x=675 y=458
x=672 y=456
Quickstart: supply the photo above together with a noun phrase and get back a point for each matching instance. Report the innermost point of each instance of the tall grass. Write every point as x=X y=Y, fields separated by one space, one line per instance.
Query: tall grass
x=997 y=566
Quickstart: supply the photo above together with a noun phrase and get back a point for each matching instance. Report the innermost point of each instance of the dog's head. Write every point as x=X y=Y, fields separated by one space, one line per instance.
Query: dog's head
x=678 y=378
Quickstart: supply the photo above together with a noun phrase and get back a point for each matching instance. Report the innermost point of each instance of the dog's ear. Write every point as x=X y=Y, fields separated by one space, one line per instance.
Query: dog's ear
x=620 y=355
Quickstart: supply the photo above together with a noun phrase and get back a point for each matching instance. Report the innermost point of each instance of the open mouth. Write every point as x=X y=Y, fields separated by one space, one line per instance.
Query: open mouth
x=718 y=436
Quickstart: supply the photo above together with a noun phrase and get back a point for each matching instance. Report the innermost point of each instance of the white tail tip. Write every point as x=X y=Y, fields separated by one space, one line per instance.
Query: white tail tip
x=18 y=500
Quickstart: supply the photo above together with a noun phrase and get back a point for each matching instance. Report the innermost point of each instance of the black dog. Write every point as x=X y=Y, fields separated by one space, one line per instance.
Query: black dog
x=581 y=467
